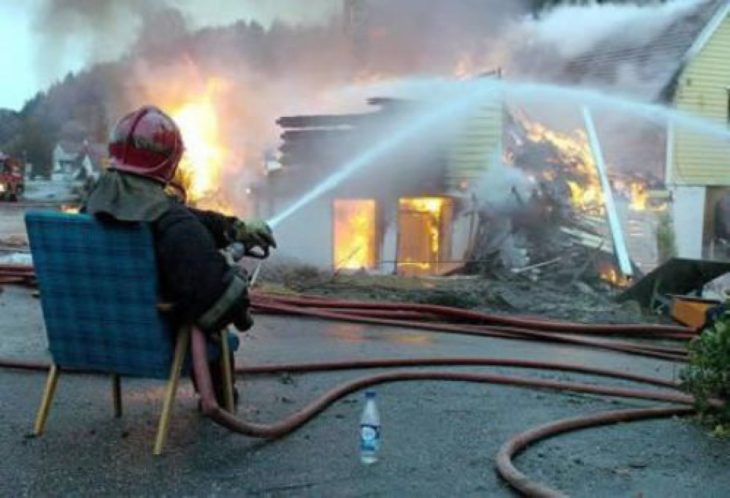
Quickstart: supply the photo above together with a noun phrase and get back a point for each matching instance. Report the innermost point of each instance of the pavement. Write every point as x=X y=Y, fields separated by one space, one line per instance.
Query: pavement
x=439 y=438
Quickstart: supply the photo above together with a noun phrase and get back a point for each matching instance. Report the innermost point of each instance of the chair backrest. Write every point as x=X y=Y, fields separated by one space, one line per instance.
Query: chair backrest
x=99 y=293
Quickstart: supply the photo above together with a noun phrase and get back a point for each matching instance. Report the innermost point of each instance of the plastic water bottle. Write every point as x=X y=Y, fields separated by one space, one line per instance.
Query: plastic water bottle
x=369 y=430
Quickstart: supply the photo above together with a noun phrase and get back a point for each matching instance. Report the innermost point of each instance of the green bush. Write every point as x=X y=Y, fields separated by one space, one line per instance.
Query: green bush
x=708 y=373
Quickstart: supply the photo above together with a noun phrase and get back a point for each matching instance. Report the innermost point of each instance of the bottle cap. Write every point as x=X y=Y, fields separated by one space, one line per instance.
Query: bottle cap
x=369 y=394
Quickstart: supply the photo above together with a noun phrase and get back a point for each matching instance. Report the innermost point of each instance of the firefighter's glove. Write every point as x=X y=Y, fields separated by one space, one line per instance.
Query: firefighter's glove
x=253 y=234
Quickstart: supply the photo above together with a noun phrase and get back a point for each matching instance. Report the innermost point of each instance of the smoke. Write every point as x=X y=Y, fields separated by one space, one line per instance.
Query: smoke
x=573 y=30
x=293 y=12
x=601 y=45
x=284 y=57
x=502 y=187
x=607 y=47
x=76 y=33
x=431 y=36
x=303 y=68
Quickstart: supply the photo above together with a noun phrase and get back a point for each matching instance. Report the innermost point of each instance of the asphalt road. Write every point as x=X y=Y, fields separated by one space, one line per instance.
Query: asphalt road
x=439 y=439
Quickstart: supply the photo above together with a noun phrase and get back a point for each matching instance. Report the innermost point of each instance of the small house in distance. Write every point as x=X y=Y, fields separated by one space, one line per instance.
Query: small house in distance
x=77 y=161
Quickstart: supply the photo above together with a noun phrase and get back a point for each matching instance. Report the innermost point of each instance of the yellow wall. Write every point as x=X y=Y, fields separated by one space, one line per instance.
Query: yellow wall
x=702 y=90
x=476 y=146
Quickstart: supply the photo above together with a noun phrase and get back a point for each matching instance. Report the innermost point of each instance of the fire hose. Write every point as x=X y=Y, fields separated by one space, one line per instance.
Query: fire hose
x=441 y=319
x=17 y=275
x=271 y=304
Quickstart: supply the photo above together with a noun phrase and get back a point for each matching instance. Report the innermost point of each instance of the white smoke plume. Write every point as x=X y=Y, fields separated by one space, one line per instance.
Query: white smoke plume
x=574 y=30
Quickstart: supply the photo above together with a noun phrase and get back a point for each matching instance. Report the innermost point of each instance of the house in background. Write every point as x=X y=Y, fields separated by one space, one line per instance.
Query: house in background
x=686 y=66
x=77 y=162
x=698 y=166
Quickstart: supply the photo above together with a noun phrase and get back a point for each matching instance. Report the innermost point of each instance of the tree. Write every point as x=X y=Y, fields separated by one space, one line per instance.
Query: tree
x=37 y=140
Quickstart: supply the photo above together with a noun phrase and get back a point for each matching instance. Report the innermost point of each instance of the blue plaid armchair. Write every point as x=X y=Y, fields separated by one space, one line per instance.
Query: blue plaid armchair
x=99 y=294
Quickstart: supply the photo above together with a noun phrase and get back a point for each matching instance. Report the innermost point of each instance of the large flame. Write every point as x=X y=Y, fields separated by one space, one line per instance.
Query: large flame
x=205 y=154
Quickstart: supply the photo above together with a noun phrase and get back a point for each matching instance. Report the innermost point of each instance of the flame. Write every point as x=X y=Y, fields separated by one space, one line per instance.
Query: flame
x=203 y=108
x=433 y=207
x=608 y=273
x=639 y=196
x=575 y=162
x=584 y=197
x=205 y=154
x=354 y=240
x=465 y=67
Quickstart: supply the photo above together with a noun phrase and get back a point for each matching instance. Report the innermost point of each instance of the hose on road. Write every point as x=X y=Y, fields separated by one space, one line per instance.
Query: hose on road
x=449 y=320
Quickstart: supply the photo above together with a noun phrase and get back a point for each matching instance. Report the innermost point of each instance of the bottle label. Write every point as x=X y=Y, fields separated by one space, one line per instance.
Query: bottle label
x=369 y=437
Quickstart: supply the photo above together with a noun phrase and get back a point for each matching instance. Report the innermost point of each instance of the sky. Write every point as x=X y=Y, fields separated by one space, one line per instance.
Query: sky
x=19 y=81
x=25 y=72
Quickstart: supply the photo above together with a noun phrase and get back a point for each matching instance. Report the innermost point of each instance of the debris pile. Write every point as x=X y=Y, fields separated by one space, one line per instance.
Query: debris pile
x=504 y=292
x=552 y=225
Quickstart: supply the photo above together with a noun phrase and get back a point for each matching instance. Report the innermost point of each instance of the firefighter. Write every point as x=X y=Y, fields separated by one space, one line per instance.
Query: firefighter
x=145 y=150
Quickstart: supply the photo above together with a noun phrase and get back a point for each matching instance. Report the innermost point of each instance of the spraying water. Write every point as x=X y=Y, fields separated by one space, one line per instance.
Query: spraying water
x=594 y=99
x=453 y=107
x=464 y=94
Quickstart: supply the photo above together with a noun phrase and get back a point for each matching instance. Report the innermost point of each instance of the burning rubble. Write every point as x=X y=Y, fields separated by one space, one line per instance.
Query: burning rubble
x=556 y=222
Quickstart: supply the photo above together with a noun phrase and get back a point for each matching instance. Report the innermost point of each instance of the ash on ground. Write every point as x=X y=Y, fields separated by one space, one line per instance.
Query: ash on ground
x=590 y=300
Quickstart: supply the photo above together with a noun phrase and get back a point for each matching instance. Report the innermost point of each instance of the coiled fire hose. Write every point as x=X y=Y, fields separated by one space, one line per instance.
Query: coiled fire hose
x=441 y=319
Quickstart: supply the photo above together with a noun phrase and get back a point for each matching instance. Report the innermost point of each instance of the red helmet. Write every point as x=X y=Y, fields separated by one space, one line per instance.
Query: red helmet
x=146 y=142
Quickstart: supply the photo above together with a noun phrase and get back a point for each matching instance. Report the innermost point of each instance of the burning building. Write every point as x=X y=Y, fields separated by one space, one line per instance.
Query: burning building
x=410 y=212
x=420 y=208
x=392 y=216
x=413 y=211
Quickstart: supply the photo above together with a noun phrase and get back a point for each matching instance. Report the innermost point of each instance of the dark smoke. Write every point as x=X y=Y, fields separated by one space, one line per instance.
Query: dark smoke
x=89 y=30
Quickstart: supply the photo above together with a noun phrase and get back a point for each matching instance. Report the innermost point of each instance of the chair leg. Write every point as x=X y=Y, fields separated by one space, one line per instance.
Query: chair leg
x=181 y=348
x=48 y=392
x=227 y=377
x=117 y=395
